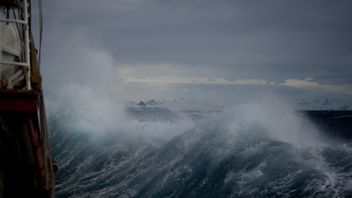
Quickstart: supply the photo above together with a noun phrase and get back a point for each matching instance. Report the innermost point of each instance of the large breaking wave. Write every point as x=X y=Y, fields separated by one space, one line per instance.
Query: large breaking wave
x=260 y=149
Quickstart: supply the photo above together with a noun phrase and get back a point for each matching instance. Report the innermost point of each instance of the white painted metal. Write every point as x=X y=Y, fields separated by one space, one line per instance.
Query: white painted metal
x=13 y=47
x=15 y=78
x=14 y=63
x=10 y=39
x=26 y=35
x=26 y=40
x=13 y=21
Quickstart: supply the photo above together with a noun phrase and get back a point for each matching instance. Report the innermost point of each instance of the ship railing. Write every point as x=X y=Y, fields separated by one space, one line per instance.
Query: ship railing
x=23 y=13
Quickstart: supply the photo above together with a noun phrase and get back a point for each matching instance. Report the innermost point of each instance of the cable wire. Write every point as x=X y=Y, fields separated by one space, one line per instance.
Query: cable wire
x=40 y=10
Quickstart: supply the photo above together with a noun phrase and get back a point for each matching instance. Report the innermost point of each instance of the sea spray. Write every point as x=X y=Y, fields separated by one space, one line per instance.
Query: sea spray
x=260 y=149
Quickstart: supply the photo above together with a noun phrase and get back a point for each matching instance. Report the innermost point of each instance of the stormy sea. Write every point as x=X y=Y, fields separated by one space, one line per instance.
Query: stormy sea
x=263 y=149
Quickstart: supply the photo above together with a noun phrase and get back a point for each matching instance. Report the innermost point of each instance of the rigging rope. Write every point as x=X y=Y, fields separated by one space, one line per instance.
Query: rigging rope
x=40 y=10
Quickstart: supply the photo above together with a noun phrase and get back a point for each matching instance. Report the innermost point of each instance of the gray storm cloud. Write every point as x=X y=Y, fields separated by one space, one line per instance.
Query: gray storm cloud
x=269 y=41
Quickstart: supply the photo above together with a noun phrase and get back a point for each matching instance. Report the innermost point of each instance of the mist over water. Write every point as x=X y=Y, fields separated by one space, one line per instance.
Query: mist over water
x=262 y=148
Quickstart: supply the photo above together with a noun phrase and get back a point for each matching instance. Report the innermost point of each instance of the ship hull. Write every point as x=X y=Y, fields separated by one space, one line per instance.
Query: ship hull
x=24 y=161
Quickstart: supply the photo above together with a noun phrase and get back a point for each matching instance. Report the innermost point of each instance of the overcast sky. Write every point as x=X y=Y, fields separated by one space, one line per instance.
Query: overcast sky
x=212 y=50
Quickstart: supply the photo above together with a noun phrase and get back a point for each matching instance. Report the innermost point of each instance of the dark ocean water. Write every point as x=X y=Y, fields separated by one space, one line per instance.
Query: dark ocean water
x=242 y=152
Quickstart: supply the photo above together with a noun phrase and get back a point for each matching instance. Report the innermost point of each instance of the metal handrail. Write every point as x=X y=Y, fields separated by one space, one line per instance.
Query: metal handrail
x=14 y=21
x=26 y=62
x=14 y=63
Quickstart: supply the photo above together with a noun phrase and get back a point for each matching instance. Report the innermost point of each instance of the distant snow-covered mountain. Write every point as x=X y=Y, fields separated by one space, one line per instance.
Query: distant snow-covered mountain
x=142 y=104
x=179 y=104
x=324 y=104
x=151 y=102
x=185 y=105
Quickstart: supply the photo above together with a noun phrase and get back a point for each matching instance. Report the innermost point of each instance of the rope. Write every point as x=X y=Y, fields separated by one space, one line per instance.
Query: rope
x=40 y=10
